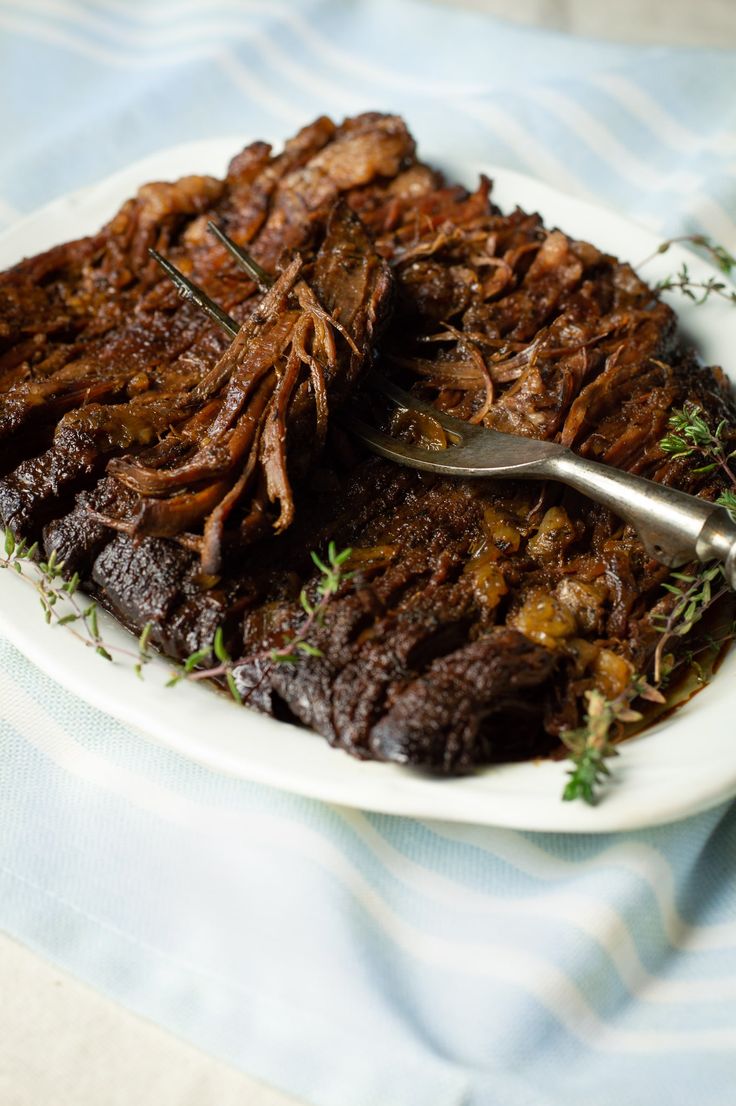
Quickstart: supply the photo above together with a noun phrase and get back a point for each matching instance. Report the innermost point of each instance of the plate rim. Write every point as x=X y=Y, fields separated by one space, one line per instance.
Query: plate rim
x=383 y=788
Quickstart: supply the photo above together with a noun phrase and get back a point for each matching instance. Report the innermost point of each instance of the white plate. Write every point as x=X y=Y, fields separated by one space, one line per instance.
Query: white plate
x=682 y=766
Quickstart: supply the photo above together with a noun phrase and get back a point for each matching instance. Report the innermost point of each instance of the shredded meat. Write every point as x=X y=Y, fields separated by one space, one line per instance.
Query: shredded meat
x=305 y=341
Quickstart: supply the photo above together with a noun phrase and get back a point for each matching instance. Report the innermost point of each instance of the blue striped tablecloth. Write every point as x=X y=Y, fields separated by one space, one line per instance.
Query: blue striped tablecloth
x=352 y=959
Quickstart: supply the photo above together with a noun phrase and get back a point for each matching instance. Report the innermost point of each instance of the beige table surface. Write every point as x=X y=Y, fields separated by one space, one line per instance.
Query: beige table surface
x=674 y=22
x=62 y=1044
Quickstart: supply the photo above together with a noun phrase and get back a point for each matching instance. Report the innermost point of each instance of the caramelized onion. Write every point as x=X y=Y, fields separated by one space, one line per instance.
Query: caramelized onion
x=418 y=428
x=612 y=672
x=489 y=584
x=544 y=619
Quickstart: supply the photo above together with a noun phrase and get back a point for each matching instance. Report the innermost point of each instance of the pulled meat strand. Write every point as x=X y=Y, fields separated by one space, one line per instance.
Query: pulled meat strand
x=291 y=343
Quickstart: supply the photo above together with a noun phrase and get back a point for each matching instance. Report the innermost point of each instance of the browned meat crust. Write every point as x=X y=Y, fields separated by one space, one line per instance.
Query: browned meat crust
x=479 y=612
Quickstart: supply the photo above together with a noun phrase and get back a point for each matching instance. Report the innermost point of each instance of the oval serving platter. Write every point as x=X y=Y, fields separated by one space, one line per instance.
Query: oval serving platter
x=679 y=767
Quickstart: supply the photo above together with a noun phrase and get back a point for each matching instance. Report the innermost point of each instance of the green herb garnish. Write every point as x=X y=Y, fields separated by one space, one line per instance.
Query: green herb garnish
x=295 y=649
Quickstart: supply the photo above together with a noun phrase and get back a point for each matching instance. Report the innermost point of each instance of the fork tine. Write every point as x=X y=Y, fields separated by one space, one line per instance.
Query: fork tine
x=394 y=448
x=255 y=271
x=191 y=291
x=376 y=381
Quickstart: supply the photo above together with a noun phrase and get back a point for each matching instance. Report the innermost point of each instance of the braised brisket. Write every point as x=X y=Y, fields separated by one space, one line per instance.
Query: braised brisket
x=187 y=480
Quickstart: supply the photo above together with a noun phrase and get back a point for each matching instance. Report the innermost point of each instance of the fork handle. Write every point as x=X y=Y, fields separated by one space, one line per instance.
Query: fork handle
x=673 y=526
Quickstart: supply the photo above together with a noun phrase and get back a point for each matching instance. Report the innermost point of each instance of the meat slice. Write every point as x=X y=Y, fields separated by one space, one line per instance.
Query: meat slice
x=143 y=580
x=482 y=703
x=79 y=536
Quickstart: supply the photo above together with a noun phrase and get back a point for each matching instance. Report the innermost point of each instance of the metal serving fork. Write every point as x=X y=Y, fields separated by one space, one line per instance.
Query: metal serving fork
x=674 y=527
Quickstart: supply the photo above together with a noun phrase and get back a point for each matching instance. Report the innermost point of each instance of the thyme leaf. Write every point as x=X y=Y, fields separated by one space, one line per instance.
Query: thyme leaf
x=727 y=499
x=218 y=646
x=690 y=435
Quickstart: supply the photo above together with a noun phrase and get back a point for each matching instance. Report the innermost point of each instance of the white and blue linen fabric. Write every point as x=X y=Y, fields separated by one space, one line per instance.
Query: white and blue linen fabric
x=349 y=958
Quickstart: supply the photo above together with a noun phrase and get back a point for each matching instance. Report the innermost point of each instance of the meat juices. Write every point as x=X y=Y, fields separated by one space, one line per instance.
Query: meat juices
x=187 y=480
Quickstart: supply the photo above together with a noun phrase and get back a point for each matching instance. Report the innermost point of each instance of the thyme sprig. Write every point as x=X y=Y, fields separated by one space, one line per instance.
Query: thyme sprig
x=722 y=257
x=61 y=600
x=592 y=744
x=696 y=290
x=690 y=434
x=293 y=650
x=708 y=644
x=700 y=592
x=62 y=605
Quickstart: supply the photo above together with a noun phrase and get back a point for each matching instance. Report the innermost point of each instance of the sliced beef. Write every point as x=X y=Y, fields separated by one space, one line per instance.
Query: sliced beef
x=481 y=703
x=143 y=580
x=79 y=536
